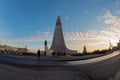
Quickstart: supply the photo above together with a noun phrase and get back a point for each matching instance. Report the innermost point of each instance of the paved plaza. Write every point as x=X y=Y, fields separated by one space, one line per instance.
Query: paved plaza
x=102 y=70
x=8 y=72
x=54 y=58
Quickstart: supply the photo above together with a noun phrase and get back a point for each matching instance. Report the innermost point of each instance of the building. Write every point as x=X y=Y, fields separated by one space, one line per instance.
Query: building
x=12 y=50
x=58 y=43
x=118 y=45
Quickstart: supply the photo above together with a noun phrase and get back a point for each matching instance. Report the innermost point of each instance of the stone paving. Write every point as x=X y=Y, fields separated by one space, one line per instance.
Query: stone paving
x=104 y=70
x=17 y=73
x=117 y=76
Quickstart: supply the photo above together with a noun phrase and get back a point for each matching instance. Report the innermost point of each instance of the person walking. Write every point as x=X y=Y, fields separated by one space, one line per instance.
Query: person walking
x=38 y=54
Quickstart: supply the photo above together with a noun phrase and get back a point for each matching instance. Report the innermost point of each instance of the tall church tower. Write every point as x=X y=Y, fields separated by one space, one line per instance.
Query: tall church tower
x=58 y=44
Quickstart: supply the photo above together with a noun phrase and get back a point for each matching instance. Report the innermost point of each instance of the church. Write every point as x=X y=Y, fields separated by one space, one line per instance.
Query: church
x=58 y=43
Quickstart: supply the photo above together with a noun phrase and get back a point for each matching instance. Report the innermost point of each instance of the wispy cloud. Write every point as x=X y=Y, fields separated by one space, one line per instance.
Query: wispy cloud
x=93 y=38
x=67 y=18
x=96 y=1
x=118 y=11
x=117 y=2
x=111 y=20
x=77 y=38
x=37 y=38
x=86 y=11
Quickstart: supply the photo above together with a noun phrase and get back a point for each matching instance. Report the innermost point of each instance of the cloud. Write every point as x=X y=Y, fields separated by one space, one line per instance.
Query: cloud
x=93 y=38
x=86 y=12
x=111 y=20
x=89 y=38
x=117 y=2
x=37 y=38
x=118 y=11
x=2 y=22
x=96 y=1
x=67 y=18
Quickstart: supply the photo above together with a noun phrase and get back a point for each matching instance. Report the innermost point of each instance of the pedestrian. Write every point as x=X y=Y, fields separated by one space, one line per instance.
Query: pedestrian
x=45 y=53
x=38 y=54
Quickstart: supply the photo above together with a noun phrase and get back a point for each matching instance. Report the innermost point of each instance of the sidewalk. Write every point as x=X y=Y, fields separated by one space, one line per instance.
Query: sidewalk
x=59 y=61
x=9 y=72
x=20 y=61
x=116 y=77
x=54 y=58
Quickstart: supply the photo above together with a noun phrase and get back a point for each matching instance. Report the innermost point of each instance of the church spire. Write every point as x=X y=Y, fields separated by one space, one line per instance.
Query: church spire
x=58 y=22
x=58 y=43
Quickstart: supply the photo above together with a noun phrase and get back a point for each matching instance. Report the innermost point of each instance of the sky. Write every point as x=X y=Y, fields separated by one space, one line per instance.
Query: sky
x=93 y=23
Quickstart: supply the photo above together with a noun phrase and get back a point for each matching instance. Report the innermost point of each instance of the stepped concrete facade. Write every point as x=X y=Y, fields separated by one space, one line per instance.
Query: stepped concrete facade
x=58 y=43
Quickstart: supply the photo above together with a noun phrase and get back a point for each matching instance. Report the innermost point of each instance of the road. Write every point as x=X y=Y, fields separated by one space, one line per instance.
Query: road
x=101 y=70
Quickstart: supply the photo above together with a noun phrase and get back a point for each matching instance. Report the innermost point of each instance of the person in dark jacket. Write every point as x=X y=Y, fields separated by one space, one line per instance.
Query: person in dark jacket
x=38 y=54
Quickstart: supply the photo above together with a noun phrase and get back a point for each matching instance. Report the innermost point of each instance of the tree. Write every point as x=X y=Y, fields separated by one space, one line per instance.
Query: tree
x=84 y=50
